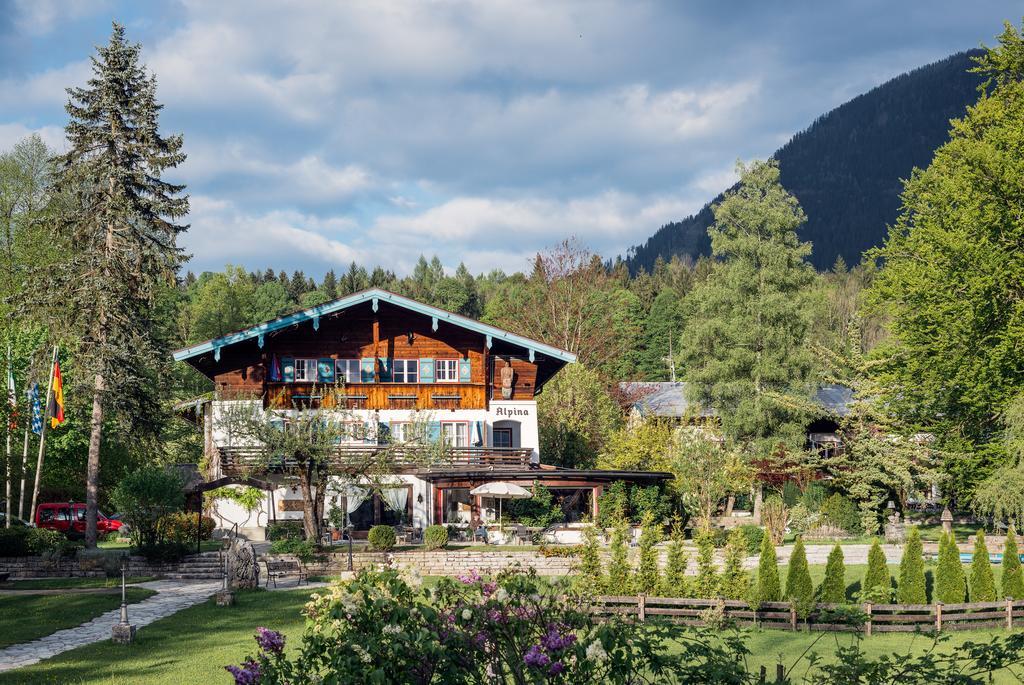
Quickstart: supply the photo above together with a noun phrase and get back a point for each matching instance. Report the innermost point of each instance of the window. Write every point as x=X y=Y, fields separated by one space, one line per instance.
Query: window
x=347 y=370
x=446 y=370
x=458 y=505
x=502 y=437
x=455 y=433
x=400 y=432
x=405 y=371
x=305 y=370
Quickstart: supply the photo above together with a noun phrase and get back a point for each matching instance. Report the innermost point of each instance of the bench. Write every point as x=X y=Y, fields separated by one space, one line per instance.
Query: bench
x=284 y=568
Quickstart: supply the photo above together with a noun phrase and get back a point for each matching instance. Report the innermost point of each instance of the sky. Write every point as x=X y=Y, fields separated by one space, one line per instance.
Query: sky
x=323 y=132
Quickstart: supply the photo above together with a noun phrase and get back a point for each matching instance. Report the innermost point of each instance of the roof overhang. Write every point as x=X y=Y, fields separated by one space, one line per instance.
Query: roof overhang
x=598 y=477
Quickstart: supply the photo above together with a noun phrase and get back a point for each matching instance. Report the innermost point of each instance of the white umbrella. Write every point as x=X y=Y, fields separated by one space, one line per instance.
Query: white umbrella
x=501 y=490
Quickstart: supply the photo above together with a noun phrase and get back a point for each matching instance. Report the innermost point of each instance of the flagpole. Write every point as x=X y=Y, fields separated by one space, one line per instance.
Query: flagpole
x=7 y=521
x=30 y=414
x=42 y=437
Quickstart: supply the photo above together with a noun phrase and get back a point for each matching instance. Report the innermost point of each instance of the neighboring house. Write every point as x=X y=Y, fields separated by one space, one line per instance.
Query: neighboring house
x=400 y=363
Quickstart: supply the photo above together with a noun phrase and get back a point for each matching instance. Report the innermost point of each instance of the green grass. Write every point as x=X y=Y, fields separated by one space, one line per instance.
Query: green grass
x=62 y=583
x=25 y=618
x=192 y=646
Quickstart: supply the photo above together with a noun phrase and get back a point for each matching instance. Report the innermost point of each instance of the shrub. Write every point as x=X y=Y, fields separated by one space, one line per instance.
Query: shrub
x=833 y=588
x=950 y=582
x=435 y=537
x=14 y=542
x=813 y=497
x=802 y=519
x=181 y=527
x=674 y=582
x=304 y=550
x=613 y=504
x=541 y=510
x=775 y=516
x=719 y=536
x=868 y=518
x=164 y=552
x=706 y=584
x=648 y=575
x=735 y=579
x=911 y=588
x=649 y=503
x=751 y=537
x=143 y=497
x=768 y=588
x=799 y=588
x=842 y=513
x=983 y=585
x=45 y=541
x=618 y=562
x=1013 y=580
x=588 y=572
x=382 y=538
x=285 y=530
x=877 y=585
x=791 y=493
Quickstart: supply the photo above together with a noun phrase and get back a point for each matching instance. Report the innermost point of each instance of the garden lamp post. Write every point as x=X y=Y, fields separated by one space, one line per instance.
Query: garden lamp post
x=123 y=632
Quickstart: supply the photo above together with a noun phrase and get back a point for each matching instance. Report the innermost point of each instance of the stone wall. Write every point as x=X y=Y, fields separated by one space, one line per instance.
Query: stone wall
x=441 y=562
x=98 y=566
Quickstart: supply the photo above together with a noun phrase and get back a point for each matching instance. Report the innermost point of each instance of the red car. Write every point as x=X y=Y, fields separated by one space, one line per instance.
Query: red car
x=55 y=517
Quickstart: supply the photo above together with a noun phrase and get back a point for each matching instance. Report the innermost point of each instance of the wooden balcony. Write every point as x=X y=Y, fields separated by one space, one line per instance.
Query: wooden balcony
x=355 y=458
x=377 y=396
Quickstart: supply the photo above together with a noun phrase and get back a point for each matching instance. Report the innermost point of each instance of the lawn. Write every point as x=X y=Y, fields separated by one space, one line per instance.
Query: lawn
x=28 y=617
x=62 y=583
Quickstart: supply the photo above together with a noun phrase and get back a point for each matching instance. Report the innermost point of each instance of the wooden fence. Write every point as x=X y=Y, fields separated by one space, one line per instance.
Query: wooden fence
x=869 y=618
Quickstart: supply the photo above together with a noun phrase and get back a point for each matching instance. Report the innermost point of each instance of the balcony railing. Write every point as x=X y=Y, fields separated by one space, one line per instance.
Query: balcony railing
x=402 y=459
x=377 y=396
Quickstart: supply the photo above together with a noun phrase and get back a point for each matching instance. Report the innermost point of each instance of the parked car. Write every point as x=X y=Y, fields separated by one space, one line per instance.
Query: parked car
x=55 y=517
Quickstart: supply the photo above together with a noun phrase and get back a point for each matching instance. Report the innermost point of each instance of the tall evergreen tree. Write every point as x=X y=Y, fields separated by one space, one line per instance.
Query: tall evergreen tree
x=833 y=588
x=735 y=579
x=911 y=588
x=768 y=586
x=617 y=577
x=706 y=585
x=648 y=575
x=799 y=587
x=950 y=582
x=877 y=585
x=123 y=236
x=674 y=582
x=983 y=584
x=330 y=285
x=1013 y=580
x=744 y=346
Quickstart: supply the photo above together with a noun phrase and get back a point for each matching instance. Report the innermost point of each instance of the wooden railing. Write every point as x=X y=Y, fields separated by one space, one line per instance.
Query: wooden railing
x=347 y=458
x=377 y=396
x=879 y=618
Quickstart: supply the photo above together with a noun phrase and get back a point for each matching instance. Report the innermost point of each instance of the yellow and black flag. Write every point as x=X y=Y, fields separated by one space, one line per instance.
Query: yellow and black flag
x=56 y=406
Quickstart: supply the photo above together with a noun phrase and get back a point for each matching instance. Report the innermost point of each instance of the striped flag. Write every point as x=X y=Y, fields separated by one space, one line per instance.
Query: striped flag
x=36 y=407
x=56 y=408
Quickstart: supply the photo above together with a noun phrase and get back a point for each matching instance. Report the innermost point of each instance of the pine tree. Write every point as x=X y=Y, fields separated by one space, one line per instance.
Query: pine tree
x=877 y=585
x=330 y=285
x=1013 y=580
x=833 y=588
x=589 y=572
x=950 y=582
x=674 y=582
x=799 y=587
x=648 y=576
x=768 y=586
x=617 y=578
x=706 y=584
x=735 y=579
x=121 y=236
x=983 y=584
x=911 y=588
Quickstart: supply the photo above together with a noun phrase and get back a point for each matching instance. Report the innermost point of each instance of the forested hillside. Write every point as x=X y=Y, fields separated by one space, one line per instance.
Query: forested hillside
x=846 y=168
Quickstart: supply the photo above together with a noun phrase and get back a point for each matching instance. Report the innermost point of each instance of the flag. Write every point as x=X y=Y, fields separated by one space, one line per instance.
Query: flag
x=36 y=407
x=56 y=406
x=275 y=369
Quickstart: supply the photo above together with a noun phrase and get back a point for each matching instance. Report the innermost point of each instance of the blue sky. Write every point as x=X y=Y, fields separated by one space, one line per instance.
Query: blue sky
x=324 y=132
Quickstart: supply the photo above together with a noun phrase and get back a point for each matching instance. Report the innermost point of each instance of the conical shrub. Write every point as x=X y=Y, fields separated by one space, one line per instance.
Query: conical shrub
x=983 y=584
x=674 y=582
x=768 y=587
x=950 y=582
x=1013 y=579
x=735 y=579
x=911 y=588
x=648 y=576
x=617 y=578
x=799 y=587
x=706 y=584
x=588 y=576
x=833 y=588
x=877 y=585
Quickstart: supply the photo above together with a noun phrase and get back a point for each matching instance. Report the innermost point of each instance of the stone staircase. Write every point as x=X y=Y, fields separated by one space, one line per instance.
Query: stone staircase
x=202 y=566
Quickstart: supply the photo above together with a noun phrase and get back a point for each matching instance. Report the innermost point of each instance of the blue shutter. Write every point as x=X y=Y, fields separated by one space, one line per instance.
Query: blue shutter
x=325 y=370
x=426 y=370
x=385 y=369
x=434 y=431
x=464 y=371
x=288 y=369
x=366 y=370
x=477 y=438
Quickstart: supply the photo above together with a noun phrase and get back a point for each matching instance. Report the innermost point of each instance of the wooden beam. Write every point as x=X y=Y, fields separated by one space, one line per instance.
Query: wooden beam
x=376 y=347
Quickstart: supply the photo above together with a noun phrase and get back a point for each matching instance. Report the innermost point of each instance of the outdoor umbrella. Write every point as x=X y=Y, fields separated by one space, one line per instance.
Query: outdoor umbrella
x=501 y=490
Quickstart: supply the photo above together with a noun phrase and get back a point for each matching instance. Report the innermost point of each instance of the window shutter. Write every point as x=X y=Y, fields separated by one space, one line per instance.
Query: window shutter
x=366 y=370
x=464 y=371
x=288 y=369
x=426 y=370
x=477 y=438
x=325 y=370
x=385 y=369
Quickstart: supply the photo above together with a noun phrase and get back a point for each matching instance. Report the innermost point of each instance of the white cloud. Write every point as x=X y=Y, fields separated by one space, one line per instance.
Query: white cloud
x=39 y=17
x=11 y=134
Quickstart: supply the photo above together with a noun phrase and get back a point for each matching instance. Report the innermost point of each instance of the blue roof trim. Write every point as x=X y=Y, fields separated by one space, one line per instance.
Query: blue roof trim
x=373 y=295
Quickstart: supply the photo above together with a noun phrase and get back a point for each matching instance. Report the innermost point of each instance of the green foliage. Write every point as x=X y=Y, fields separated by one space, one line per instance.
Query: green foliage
x=769 y=589
x=877 y=585
x=144 y=497
x=839 y=511
x=618 y=561
x=642 y=447
x=774 y=516
x=707 y=583
x=1001 y=495
x=705 y=471
x=650 y=503
x=14 y=542
x=648 y=575
x=576 y=416
x=613 y=504
x=1013 y=579
x=950 y=581
x=180 y=526
x=382 y=538
x=791 y=494
x=799 y=588
x=983 y=584
x=814 y=497
x=801 y=519
x=588 y=574
x=735 y=582
x=540 y=510
x=435 y=537
x=284 y=530
x=911 y=588
x=833 y=587
x=752 y=536
x=304 y=550
x=45 y=542
x=250 y=499
x=674 y=582
x=622 y=501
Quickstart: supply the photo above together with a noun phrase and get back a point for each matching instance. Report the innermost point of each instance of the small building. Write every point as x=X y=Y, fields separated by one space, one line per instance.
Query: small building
x=399 y=363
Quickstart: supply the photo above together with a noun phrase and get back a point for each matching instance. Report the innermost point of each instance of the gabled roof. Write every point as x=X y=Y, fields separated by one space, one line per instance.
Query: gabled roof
x=668 y=399
x=374 y=296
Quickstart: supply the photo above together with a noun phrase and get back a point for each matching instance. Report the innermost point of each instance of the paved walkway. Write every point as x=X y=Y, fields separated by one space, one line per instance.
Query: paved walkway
x=172 y=596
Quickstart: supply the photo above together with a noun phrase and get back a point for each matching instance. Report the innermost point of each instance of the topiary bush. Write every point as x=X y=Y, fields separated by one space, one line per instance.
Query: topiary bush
x=618 y=561
x=735 y=579
x=588 y=571
x=911 y=588
x=435 y=537
x=833 y=588
x=751 y=536
x=768 y=588
x=799 y=587
x=950 y=581
x=382 y=538
x=877 y=585
x=1013 y=579
x=706 y=584
x=983 y=585
x=674 y=582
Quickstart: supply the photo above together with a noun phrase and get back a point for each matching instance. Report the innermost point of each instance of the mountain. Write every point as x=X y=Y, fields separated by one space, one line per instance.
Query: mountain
x=846 y=167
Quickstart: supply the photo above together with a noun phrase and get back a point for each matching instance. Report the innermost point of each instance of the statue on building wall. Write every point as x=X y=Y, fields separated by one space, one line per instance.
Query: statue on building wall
x=508 y=375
